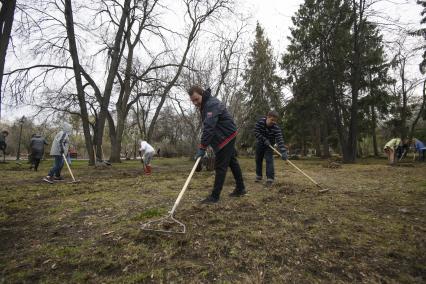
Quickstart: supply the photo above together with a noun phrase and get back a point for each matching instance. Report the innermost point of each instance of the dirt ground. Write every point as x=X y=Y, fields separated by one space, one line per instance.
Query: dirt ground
x=370 y=227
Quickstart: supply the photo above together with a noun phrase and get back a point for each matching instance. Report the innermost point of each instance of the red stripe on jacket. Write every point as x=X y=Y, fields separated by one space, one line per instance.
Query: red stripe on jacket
x=226 y=141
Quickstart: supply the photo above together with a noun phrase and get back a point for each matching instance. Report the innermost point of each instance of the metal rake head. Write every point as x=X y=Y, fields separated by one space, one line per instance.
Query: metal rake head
x=322 y=189
x=167 y=224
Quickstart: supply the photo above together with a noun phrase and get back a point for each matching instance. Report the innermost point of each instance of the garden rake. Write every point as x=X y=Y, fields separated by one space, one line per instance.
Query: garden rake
x=321 y=189
x=69 y=169
x=168 y=222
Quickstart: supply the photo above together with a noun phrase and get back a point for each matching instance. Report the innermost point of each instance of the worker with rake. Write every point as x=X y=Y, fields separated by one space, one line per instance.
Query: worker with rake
x=60 y=147
x=3 y=144
x=390 y=149
x=147 y=152
x=219 y=131
x=268 y=133
x=420 y=147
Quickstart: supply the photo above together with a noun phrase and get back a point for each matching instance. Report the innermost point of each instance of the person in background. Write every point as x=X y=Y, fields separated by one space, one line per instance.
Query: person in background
x=268 y=133
x=147 y=153
x=60 y=147
x=420 y=147
x=402 y=149
x=37 y=144
x=3 y=144
x=390 y=148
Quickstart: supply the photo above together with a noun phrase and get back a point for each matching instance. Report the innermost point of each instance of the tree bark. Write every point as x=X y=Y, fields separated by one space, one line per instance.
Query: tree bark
x=351 y=146
x=325 y=145
x=115 y=62
x=421 y=111
x=115 y=150
x=318 y=152
x=78 y=80
x=115 y=146
x=373 y=131
x=7 y=13
x=404 y=103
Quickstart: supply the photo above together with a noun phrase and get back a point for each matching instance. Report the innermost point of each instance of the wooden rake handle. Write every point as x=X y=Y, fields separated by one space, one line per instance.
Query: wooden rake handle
x=185 y=186
x=297 y=168
x=68 y=166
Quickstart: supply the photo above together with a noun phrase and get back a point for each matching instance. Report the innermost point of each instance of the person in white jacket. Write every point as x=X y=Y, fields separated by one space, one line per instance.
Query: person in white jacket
x=60 y=147
x=147 y=152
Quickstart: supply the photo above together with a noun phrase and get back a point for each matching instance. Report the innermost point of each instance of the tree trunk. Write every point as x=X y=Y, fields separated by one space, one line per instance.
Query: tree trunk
x=304 y=145
x=122 y=106
x=325 y=145
x=338 y=121
x=360 y=152
x=115 y=140
x=351 y=146
x=404 y=106
x=118 y=137
x=373 y=130
x=78 y=80
x=115 y=150
x=115 y=62
x=7 y=13
x=318 y=139
x=421 y=111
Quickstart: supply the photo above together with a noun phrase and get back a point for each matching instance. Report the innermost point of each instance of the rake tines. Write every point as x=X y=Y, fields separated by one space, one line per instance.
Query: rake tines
x=168 y=223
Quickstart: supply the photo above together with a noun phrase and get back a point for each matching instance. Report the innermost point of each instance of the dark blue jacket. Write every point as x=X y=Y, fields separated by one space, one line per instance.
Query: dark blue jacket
x=218 y=125
x=37 y=146
x=273 y=134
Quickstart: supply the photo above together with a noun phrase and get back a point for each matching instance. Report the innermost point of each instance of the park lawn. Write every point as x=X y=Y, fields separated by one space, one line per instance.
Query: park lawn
x=370 y=226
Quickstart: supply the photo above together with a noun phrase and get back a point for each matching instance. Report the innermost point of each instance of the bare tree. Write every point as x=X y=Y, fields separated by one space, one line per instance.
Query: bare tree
x=7 y=12
x=78 y=80
x=405 y=86
x=198 y=13
x=421 y=112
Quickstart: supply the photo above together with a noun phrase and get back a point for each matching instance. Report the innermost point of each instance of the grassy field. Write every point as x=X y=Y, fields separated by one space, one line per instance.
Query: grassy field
x=370 y=227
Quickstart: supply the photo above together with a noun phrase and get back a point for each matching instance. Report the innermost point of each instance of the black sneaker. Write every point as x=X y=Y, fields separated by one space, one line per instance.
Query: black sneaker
x=58 y=178
x=238 y=193
x=269 y=182
x=258 y=179
x=209 y=199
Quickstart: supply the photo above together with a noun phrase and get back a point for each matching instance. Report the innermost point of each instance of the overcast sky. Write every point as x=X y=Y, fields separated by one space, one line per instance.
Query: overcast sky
x=275 y=17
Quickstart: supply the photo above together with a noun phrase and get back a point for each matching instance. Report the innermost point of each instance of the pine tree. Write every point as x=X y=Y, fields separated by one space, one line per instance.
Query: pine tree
x=422 y=32
x=333 y=53
x=262 y=90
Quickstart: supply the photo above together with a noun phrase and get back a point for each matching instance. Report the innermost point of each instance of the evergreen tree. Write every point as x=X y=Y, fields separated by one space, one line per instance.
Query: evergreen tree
x=335 y=59
x=262 y=89
x=422 y=32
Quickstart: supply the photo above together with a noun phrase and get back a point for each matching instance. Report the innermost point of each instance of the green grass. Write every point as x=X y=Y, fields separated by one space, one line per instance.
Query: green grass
x=370 y=226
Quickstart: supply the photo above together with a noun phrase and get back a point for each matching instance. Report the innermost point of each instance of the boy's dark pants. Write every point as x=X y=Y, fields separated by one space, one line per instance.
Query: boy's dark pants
x=263 y=151
x=57 y=166
x=3 y=147
x=35 y=162
x=226 y=158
